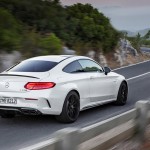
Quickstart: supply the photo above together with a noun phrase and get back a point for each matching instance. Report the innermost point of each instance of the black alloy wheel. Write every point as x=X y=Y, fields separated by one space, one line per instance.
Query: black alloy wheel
x=122 y=94
x=71 y=108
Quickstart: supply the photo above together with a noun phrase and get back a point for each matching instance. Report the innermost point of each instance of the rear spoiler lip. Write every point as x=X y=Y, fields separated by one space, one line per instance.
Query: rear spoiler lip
x=19 y=75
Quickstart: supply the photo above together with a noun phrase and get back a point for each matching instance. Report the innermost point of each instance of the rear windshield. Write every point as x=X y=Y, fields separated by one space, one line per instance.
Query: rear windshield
x=33 y=66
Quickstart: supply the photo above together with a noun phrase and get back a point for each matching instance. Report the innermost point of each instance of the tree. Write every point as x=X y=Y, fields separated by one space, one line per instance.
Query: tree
x=136 y=41
x=79 y=26
x=10 y=31
x=30 y=43
x=50 y=44
x=147 y=35
x=43 y=15
x=90 y=27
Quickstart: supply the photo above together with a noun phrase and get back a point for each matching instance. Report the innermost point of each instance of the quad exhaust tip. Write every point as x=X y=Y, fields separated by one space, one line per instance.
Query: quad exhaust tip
x=30 y=111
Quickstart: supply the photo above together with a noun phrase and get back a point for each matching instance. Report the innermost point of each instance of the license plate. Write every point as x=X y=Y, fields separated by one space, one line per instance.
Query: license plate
x=7 y=100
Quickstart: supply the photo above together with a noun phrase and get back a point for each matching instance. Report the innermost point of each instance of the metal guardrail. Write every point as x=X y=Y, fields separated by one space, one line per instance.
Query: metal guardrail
x=113 y=130
x=103 y=126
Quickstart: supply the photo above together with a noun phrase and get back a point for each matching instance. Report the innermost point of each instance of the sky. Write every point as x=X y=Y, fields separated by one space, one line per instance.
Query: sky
x=132 y=15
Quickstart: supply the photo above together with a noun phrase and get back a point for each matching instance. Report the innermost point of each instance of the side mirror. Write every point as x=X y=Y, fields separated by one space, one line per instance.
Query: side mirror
x=107 y=70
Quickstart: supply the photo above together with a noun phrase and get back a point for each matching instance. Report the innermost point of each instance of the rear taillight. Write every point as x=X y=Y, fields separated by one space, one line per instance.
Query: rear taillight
x=39 y=85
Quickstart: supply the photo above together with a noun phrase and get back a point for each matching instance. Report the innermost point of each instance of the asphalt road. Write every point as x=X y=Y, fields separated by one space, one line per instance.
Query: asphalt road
x=23 y=131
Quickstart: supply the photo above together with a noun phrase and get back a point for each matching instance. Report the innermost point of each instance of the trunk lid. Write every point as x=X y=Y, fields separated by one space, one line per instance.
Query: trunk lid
x=15 y=81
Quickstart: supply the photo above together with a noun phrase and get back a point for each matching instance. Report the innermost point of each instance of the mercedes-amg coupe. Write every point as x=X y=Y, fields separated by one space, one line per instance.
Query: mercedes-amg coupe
x=59 y=85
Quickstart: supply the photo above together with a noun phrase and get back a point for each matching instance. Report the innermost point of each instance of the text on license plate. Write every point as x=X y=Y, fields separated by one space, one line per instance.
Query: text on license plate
x=7 y=100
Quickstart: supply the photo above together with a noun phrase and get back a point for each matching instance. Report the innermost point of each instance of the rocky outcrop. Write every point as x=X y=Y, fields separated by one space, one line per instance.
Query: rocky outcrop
x=124 y=49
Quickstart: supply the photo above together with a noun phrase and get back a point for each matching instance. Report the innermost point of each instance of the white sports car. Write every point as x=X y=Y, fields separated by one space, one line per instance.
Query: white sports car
x=58 y=85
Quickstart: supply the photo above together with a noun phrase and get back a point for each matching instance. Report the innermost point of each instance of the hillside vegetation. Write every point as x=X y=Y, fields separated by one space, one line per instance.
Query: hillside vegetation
x=38 y=27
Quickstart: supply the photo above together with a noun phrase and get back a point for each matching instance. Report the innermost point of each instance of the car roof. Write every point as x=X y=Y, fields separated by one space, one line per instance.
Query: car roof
x=58 y=58
x=55 y=58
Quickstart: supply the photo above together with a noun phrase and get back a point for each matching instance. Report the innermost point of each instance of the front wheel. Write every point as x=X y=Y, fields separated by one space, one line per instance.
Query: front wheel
x=122 y=94
x=71 y=108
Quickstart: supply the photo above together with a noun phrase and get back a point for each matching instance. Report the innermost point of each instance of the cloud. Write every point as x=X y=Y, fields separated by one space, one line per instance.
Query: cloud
x=109 y=8
x=129 y=18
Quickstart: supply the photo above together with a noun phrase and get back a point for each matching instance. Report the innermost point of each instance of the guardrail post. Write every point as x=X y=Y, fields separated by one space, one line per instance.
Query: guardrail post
x=142 y=119
x=68 y=139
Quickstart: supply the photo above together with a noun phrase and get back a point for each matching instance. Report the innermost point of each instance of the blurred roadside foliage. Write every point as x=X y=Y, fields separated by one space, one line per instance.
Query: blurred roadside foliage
x=136 y=41
x=51 y=45
x=38 y=27
x=140 y=41
x=10 y=31
x=91 y=28
x=146 y=39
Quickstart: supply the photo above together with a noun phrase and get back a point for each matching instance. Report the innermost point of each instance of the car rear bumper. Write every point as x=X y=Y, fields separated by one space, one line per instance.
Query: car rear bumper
x=19 y=110
x=45 y=101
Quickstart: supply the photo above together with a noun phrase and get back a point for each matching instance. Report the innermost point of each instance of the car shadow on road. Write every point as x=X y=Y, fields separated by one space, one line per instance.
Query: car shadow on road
x=86 y=117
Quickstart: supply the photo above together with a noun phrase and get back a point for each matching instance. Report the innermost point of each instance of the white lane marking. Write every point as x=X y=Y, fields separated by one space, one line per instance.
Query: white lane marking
x=132 y=65
x=138 y=76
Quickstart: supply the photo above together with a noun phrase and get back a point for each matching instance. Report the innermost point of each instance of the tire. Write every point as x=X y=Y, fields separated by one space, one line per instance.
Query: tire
x=71 y=108
x=5 y=115
x=122 y=94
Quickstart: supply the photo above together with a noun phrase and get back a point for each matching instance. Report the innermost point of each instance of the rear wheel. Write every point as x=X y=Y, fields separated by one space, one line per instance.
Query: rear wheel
x=71 y=108
x=122 y=94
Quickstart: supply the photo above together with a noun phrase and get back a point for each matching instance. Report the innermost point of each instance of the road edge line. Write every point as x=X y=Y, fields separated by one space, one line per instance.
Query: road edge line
x=131 y=65
x=137 y=76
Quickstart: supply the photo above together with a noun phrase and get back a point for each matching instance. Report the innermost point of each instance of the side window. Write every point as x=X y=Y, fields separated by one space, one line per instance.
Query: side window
x=73 y=67
x=90 y=66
